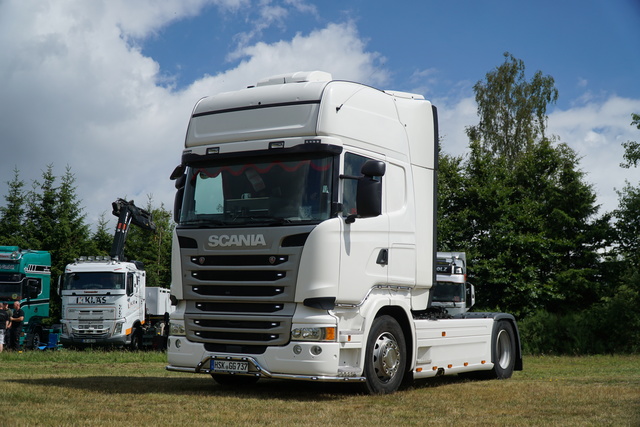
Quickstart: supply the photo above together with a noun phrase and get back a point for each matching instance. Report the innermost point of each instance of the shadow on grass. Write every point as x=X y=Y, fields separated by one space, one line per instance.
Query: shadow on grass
x=203 y=385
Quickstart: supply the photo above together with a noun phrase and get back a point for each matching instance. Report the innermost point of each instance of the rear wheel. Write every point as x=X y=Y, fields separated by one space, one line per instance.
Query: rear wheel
x=503 y=354
x=504 y=351
x=386 y=357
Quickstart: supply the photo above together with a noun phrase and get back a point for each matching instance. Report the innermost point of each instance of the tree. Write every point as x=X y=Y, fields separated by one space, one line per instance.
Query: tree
x=12 y=215
x=632 y=148
x=512 y=111
x=153 y=248
x=102 y=238
x=521 y=202
x=627 y=215
x=40 y=217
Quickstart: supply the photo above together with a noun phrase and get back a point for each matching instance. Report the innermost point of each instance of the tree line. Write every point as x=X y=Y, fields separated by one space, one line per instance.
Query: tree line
x=517 y=203
x=49 y=216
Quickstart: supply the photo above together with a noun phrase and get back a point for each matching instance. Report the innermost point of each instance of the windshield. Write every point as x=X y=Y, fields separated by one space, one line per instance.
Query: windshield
x=97 y=280
x=10 y=286
x=286 y=190
x=448 y=292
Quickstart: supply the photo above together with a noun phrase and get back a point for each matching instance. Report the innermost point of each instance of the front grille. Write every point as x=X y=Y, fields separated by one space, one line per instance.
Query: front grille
x=242 y=299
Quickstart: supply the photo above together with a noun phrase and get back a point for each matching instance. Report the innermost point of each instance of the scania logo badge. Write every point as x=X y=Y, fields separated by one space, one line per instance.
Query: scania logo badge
x=272 y=260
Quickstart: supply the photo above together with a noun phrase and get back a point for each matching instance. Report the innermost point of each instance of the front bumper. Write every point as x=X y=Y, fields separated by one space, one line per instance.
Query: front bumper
x=294 y=361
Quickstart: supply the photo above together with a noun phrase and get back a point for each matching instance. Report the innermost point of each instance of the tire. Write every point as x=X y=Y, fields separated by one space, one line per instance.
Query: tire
x=503 y=351
x=503 y=354
x=136 y=339
x=32 y=341
x=234 y=380
x=385 y=358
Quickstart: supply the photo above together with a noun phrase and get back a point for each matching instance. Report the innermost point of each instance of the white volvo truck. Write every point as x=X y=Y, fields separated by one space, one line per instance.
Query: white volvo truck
x=105 y=300
x=305 y=242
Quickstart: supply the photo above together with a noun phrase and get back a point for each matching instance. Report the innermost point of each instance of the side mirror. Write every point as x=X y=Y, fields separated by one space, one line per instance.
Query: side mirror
x=369 y=189
x=470 y=294
x=177 y=205
x=180 y=179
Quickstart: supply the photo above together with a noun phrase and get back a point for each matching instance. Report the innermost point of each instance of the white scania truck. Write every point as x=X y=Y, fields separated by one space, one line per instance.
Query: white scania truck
x=305 y=242
x=105 y=300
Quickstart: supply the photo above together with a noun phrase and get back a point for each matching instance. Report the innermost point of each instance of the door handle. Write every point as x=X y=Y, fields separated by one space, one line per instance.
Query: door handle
x=383 y=257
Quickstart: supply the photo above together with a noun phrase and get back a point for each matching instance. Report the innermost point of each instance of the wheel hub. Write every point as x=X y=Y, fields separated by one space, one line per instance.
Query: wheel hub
x=386 y=357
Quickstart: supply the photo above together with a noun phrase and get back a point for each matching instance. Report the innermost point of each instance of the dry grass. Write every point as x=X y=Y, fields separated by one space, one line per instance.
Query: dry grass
x=121 y=388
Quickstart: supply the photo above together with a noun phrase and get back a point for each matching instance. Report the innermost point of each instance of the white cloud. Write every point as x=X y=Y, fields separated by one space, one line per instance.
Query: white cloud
x=596 y=130
x=77 y=91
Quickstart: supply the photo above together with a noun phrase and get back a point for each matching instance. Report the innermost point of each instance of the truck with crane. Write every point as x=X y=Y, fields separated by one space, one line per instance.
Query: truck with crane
x=305 y=244
x=25 y=276
x=105 y=300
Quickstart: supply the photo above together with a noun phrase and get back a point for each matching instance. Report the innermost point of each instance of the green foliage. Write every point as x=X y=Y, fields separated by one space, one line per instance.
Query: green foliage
x=512 y=110
x=519 y=204
x=612 y=325
x=50 y=217
x=153 y=249
x=632 y=148
x=12 y=215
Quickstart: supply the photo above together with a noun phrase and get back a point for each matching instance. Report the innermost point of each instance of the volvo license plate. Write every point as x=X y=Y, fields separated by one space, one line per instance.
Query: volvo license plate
x=229 y=366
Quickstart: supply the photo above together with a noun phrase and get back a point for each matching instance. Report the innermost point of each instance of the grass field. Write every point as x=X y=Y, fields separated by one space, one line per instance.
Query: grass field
x=65 y=387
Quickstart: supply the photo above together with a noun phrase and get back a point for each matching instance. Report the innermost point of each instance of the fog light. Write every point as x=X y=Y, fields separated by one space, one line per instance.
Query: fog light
x=297 y=349
x=178 y=343
x=316 y=350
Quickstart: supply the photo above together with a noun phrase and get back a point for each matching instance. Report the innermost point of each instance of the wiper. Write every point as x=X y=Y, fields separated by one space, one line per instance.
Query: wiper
x=203 y=222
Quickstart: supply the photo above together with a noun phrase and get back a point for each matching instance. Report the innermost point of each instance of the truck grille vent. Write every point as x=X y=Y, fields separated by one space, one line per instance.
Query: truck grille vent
x=234 y=348
x=238 y=291
x=246 y=324
x=238 y=275
x=236 y=336
x=239 y=260
x=226 y=307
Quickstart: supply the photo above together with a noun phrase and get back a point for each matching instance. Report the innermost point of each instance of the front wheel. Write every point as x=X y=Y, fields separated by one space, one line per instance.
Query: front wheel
x=136 y=339
x=32 y=341
x=386 y=356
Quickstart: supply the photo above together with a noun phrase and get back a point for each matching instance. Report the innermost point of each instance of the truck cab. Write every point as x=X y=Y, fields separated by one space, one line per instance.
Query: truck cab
x=102 y=302
x=25 y=276
x=451 y=291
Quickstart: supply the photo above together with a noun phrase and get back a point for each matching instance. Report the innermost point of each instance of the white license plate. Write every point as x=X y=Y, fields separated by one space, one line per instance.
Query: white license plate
x=88 y=341
x=229 y=366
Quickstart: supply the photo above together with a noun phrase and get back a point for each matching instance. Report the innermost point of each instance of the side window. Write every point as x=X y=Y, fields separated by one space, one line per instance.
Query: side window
x=352 y=165
x=129 y=284
x=34 y=287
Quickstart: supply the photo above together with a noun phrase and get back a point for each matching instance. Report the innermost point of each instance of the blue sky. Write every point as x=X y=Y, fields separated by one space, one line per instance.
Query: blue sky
x=587 y=46
x=106 y=86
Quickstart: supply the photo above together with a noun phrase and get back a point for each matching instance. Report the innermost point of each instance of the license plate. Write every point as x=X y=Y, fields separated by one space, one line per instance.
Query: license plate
x=229 y=366
x=88 y=341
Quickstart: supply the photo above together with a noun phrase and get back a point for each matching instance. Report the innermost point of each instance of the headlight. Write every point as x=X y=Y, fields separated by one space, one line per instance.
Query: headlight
x=314 y=334
x=176 y=328
x=118 y=329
